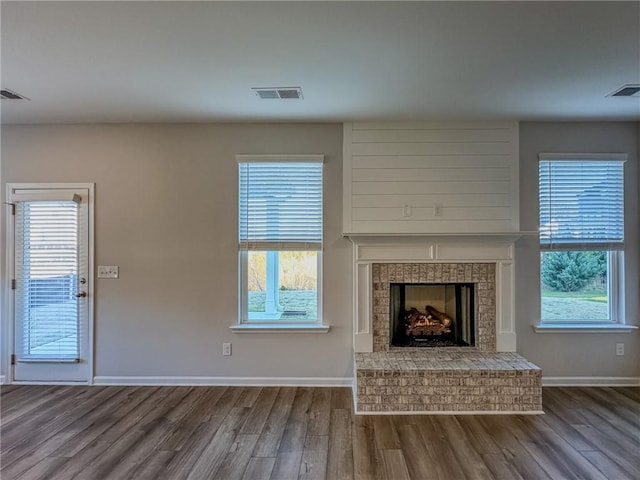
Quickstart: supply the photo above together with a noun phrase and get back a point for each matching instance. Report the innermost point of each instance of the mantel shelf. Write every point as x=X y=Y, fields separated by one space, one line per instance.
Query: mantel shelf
x=420 y=238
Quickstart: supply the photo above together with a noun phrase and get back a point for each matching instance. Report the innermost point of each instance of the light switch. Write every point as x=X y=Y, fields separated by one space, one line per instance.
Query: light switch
x=108 y=271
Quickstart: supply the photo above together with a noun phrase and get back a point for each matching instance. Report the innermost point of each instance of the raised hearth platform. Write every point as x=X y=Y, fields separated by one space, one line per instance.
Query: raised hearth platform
x=453 y=381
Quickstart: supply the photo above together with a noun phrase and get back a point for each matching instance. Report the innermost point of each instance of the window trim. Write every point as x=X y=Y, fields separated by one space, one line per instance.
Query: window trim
x=296 y=158
x=244 y=325
x=615 y=280
x=619 y=157
x=598 y=328
x=280 y=328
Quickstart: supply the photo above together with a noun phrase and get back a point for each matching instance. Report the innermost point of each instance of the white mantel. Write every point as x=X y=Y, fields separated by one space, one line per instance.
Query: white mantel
x=483 y=248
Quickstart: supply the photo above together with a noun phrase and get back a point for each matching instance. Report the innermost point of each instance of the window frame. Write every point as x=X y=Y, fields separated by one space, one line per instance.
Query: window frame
x=615 y=260
x=244 y=324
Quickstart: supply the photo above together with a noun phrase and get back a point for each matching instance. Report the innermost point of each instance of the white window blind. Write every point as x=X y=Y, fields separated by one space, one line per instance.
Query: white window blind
x=581 y=203
x=280 y=205
x=46 y=272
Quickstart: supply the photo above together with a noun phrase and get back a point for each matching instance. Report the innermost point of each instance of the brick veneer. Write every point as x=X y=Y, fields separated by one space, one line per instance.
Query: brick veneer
x=432 y=380
x=443 y=379
x=481 y=274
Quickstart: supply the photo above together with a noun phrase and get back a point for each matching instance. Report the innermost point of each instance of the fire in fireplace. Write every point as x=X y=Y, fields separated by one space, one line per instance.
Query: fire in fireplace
x=432 y=315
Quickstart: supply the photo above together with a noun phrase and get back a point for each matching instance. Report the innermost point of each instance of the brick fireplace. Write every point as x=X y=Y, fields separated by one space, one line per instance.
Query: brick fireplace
x=484 y=260
x=488 y=377
x=481 y=275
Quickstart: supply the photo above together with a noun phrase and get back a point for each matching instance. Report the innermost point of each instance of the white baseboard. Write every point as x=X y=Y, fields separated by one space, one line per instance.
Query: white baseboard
x=48 y=382
x=456 y=412
x=227 y=381
x=326 y=381
x=590 y=381
x=3 y=379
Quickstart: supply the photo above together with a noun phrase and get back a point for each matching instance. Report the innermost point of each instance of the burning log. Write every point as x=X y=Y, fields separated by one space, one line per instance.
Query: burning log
x=440 y=316
x=418 y=323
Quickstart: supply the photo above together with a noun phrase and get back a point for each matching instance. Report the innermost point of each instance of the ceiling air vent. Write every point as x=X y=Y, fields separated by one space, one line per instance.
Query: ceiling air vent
x=10 y=95
x=626 y=91
x=279 y=93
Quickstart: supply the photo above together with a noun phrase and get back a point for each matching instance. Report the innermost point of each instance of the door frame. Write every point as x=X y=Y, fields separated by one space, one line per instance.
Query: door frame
x=9 y=310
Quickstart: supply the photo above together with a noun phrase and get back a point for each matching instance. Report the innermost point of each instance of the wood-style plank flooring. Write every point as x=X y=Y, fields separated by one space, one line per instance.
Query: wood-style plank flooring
x=65 y=432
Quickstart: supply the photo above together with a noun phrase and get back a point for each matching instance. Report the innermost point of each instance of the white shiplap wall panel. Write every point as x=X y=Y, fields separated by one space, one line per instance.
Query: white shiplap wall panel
x=426 y=213
x=432 y=148
x=485 y=174
x=461 y=135
x=449 y=188
x=396 y=174
x=437 y=161
x=428 y=227
x=451 y=200
x=433 y=125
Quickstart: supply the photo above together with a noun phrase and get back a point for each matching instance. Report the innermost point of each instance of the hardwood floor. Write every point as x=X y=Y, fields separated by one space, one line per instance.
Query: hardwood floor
x=64 y=432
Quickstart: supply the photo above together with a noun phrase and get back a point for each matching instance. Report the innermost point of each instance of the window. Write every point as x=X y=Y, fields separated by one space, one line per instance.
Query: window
x=46 y=271
x=280 y=238
x=581 y=237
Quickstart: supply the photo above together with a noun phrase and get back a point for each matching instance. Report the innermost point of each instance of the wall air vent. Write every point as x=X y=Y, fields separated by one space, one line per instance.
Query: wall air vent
x=282 y=93
x=6 y=94
x=626 y=91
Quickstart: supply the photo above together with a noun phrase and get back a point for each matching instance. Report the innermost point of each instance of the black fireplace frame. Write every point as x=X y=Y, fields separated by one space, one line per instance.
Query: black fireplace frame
x=457 y=338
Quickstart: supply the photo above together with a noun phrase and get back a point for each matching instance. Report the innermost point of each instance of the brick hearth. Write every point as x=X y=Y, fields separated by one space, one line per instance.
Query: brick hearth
x=437 y=381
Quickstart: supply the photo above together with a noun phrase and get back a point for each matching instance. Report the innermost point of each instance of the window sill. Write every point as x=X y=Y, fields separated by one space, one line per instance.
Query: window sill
x=279 y=328
x=584 y=328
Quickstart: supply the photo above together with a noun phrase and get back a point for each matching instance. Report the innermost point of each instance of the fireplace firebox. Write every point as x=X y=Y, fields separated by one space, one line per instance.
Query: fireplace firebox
x=432 y=315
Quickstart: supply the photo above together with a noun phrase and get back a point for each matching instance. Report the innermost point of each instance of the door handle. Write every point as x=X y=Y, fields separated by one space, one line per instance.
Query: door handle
x=81 y=294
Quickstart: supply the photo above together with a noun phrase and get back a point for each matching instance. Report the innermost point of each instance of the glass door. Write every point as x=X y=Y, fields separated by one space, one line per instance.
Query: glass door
x=51 y=285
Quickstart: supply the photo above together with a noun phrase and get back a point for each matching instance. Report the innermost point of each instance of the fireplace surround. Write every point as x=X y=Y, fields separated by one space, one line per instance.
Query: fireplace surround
x=488 y=377
x=483 y=260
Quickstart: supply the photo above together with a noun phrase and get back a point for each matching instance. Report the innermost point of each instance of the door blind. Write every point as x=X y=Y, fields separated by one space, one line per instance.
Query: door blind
x=280 y=205
x=581 y=203
x=46 y=272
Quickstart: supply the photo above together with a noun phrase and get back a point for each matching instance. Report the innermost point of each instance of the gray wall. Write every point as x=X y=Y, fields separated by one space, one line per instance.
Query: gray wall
x=166 y=214
x=575 y=355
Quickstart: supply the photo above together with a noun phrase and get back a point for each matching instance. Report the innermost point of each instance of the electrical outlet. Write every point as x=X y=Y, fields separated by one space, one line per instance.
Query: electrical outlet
x=406 y=210
x=226 y=349
x=112 y=271
x=620 y=349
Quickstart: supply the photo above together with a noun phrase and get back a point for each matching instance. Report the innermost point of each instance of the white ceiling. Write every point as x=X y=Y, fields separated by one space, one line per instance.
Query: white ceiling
x=87 y=62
